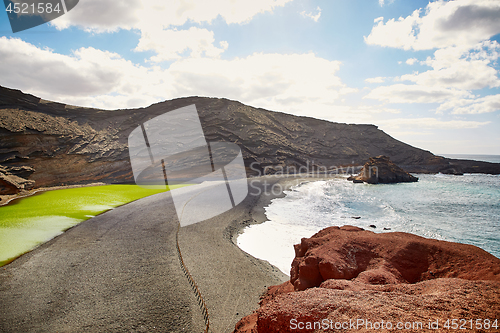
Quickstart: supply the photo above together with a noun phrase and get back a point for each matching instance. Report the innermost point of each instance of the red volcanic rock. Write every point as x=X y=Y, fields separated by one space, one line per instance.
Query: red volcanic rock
x=353 y=253
x=247 y=324
x=354 y=303
x=342 y=275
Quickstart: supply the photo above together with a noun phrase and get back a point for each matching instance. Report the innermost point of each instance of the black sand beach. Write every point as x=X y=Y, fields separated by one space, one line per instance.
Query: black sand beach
x=120 y=272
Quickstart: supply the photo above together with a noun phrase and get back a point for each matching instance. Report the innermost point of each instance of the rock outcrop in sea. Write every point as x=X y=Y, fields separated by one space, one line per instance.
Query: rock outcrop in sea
x=66 y=144
x=350 y=275
x=381 y=170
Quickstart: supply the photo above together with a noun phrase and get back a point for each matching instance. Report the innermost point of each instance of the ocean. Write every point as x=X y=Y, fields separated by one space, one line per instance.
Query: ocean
x=484 y=158
x=463 y=209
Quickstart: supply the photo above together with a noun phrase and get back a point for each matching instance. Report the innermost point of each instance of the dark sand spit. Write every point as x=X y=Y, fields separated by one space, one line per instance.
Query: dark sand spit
x=120 y=272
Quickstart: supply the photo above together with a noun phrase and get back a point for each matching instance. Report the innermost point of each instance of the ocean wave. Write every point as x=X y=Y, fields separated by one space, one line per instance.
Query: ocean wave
x=455 y=208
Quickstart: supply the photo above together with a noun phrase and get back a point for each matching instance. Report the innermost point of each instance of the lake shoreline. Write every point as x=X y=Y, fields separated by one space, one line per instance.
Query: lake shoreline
x=127 y=244
x=126 y=237
x=9 y=198
x=41 y=216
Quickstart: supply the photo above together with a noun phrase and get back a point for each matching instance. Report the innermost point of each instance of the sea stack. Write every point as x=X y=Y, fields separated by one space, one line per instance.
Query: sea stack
x=381 y=170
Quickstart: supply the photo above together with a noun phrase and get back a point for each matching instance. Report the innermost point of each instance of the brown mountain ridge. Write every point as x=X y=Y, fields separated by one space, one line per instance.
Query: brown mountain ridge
x=46 y=143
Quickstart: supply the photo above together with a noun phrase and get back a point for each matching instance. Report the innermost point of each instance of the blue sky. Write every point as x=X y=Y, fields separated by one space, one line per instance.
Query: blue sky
x=424 y=72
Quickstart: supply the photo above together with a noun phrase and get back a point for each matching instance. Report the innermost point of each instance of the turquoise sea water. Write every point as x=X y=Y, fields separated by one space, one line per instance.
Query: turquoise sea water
x=485 y=158
x=464 y=209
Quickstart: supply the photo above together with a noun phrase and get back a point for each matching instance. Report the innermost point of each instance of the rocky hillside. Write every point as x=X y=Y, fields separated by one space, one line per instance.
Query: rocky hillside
x=47 y=143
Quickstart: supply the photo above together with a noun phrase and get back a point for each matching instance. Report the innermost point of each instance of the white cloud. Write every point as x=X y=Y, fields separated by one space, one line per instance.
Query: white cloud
x=100 y=16
x=24 y=64
x=314 y=17
x=371 y=109
x=88 y=77
x=465 y=60
x=487 y=104
x=450 y=82
x=395 y=33
x=378 y=79
x=456 y=71
x=487 y=52
x=431 y=123
x=463 y=75
x=461 y=23
x=158 y=22
x=95 y=78
x=270 y=80
x=402 y=93
x=382 y=2
x=411 y=61
x=454 y=74
x=172 y=44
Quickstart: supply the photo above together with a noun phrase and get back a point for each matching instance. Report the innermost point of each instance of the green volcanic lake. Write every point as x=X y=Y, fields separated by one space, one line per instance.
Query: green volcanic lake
x=28 y=222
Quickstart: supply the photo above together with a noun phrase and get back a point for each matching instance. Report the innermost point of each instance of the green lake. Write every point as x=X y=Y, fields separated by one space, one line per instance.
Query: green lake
x=28 y=222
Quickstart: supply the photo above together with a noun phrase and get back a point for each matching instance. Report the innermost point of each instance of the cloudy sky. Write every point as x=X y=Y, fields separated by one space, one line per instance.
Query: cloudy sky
x=425 y=72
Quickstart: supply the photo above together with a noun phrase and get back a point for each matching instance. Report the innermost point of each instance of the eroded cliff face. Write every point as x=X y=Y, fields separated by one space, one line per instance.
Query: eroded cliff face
x=344 y=274
x=72 y=145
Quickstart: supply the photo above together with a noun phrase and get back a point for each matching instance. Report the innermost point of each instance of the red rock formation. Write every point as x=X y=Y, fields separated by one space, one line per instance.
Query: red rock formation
x=348 y=273
x=396 y=257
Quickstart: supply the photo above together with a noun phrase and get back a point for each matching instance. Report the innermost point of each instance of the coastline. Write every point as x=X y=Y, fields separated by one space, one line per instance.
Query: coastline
x=231 y=280
x=258 y=211
x=429 y=208
x=211 y=252
x=132 y=249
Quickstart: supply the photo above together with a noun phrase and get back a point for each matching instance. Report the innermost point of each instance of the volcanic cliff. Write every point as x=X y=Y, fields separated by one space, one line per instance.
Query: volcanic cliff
x=46 y=143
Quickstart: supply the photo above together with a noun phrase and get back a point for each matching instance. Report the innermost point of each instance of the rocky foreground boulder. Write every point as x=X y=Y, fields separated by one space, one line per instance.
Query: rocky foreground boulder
x=349 y=279
x=382 y=170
